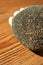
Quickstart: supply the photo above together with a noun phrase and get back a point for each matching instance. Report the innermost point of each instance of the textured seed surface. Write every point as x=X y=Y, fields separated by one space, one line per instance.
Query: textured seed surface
x=28 y=27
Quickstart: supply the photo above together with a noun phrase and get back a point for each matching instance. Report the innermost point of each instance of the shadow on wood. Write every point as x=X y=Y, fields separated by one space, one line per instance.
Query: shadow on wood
x=40 y=53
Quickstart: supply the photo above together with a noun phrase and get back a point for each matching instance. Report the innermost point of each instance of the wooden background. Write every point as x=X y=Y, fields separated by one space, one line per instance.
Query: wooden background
x=12 y=52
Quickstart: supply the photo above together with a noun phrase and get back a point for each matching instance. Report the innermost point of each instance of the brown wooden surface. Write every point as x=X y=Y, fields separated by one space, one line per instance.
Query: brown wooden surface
x=12 y=52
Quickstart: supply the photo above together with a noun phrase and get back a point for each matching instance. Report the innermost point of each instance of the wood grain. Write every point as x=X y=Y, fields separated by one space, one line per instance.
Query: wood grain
x=12 y=52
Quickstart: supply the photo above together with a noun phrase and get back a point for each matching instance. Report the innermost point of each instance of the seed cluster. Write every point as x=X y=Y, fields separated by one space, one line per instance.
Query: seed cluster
x=28 y=27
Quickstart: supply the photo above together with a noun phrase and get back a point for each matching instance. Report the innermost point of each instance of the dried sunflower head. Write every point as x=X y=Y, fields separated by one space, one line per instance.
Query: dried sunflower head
x=27 y=26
